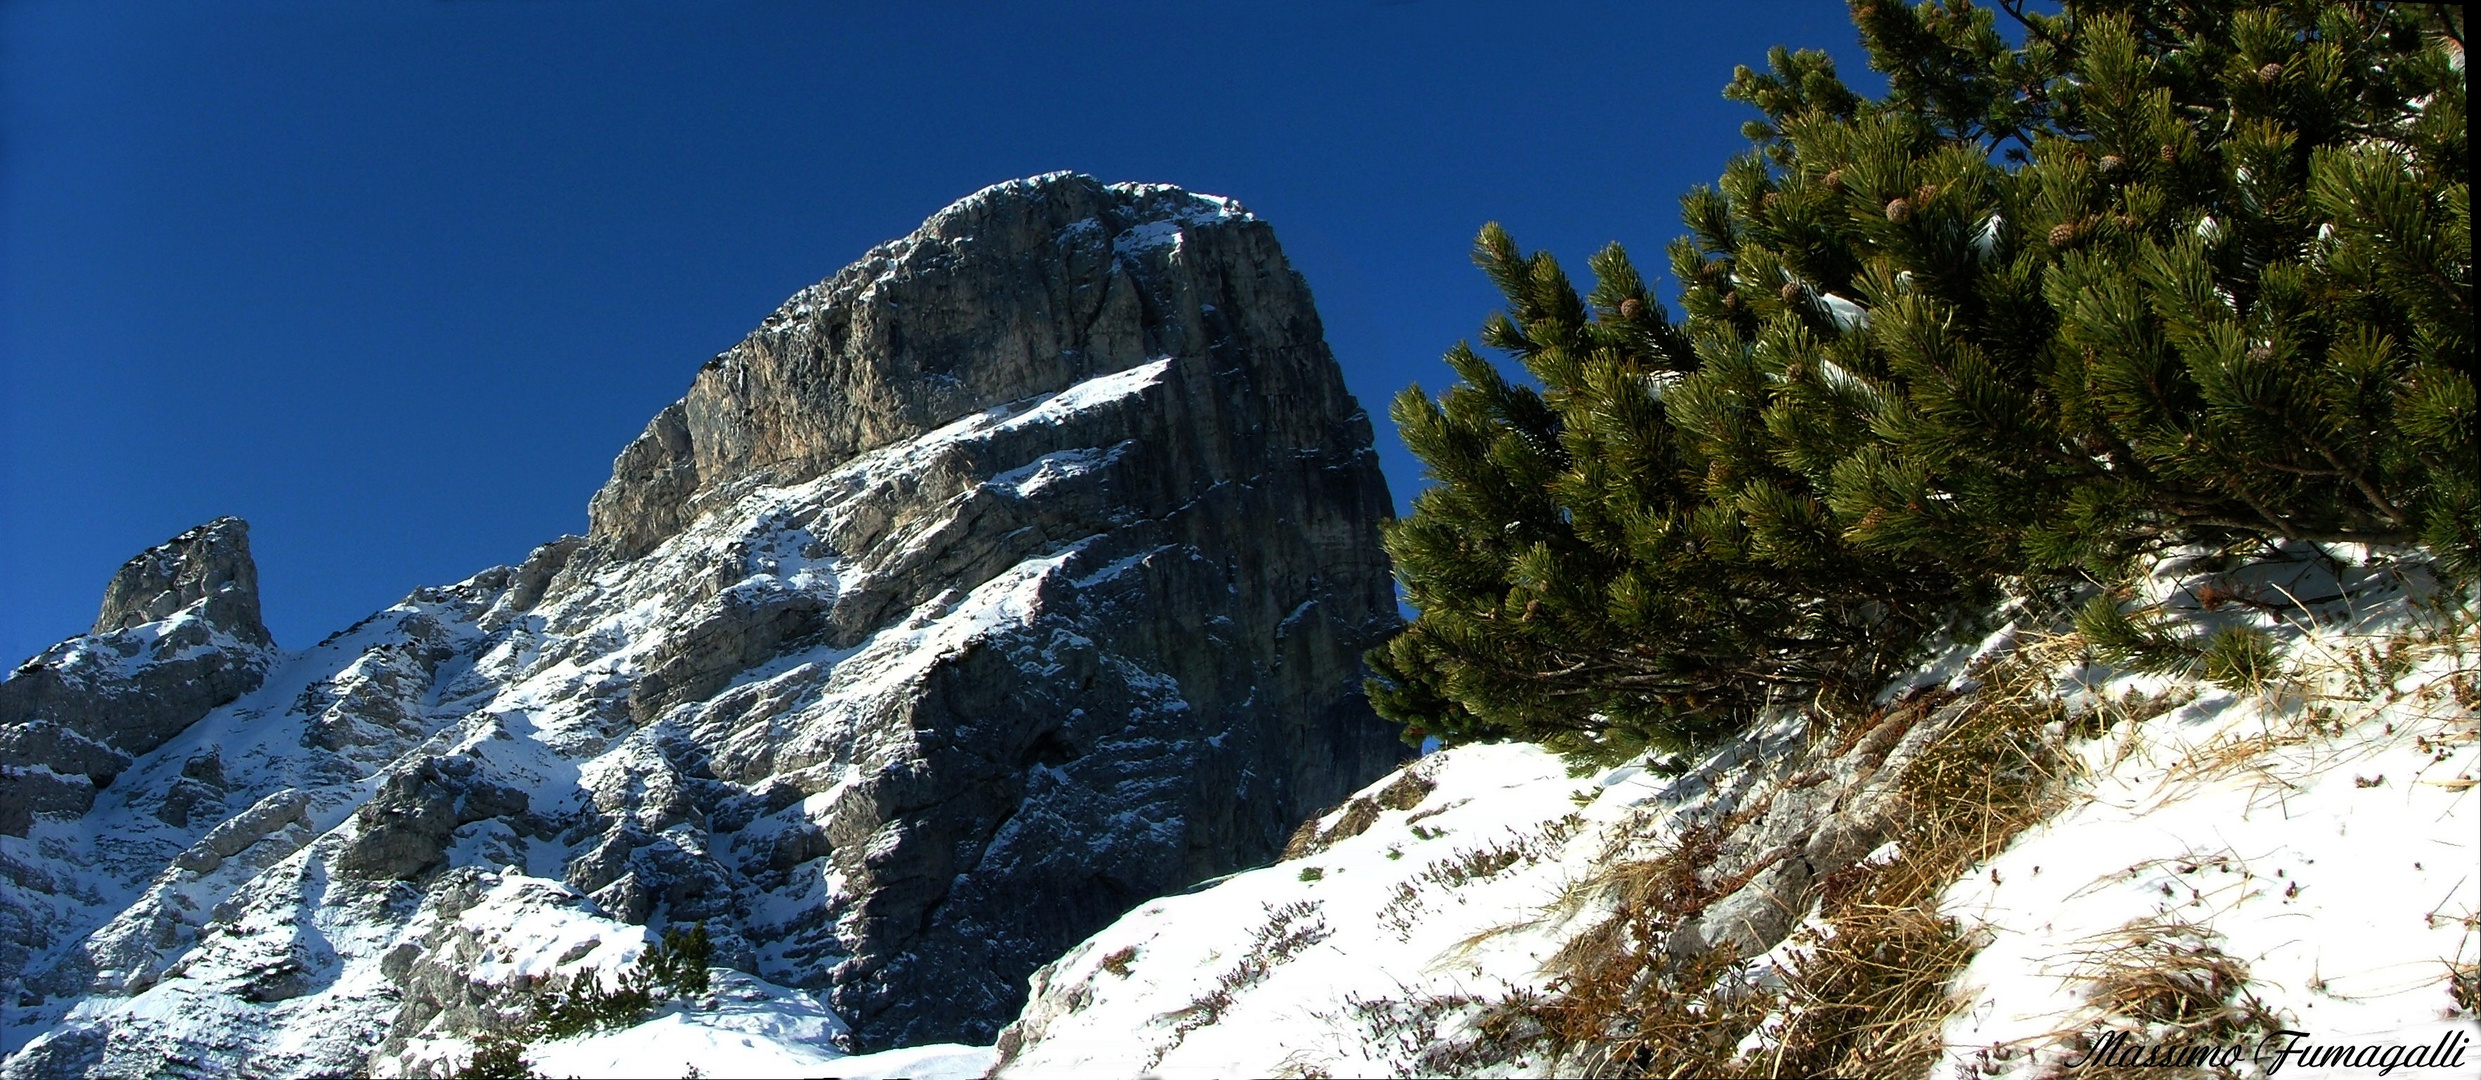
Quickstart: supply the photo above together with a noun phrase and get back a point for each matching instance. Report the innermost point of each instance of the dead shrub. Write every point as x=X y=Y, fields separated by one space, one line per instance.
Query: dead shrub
x=2168 y=983
x=1405 y=793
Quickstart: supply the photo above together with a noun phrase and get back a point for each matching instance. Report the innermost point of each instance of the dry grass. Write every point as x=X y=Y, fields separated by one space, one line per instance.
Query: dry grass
x=2168 y=983
x=1868 y=997
x=1407 y=792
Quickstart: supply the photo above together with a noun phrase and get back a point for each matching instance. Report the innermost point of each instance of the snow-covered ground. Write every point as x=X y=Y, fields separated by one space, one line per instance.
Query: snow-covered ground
x=678 y=1043
x=2320 y=833
x=528 y=929
x=2326 y=834
x=1347 y=960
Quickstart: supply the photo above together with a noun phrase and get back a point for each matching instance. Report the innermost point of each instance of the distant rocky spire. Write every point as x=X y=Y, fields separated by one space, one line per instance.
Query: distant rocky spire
x=211 y=562
x=71 y=719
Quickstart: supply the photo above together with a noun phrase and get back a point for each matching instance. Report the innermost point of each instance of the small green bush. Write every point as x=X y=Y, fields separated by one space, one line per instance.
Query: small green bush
x=676 y=967
x=498 y=1056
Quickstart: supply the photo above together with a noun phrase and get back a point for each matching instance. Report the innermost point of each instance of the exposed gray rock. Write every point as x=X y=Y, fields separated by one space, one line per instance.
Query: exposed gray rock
x=1015 y=575
x=527 y=582
x=1823 y=809
x=1192 y=672
x=1023 y=289
x=178 y=636
x=405 y=828
x=237 y=833
x=211 y=563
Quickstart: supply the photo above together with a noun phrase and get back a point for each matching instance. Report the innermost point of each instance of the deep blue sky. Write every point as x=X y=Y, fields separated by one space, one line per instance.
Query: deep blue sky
x=395 y=281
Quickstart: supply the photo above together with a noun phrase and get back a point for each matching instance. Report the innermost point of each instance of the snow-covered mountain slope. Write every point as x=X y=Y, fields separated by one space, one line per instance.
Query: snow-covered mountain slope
x=179 y=634
x=1012 y=577
x=2313 y=843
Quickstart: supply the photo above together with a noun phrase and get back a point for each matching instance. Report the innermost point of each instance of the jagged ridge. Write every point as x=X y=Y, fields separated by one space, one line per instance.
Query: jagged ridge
x=904 y=655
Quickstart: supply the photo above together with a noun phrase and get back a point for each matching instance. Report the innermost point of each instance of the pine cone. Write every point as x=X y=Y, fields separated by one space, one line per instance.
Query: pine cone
x=2269 y=73
x=1768 y=200
x=1833 y=180
x=2128 y=222
x=1922 y=195
x=1533 y=610
x=1899 y=211
x=1792 y=292
x=2170 y=153
x=1731 y=300
x=1874 y=520
x=2063 y=234
x=2111 y=162
x=1631 y=308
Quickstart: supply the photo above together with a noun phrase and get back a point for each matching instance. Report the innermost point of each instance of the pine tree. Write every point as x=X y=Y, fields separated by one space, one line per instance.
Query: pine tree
x=498 y=1057
x=2167 y=272
x=678 y=962
x=1588 y=580
x=2159 y=274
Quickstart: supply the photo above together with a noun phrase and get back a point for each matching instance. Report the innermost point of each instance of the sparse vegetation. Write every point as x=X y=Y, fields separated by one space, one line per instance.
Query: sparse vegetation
x=498 y=1056
x=1404 y=793
x=675 y=967
x=1865 y=997
x=1288 y=930
x=1470 y=865
x=2167 y=981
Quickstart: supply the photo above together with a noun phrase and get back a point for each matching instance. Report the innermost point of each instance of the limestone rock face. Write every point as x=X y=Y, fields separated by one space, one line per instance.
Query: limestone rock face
x=178 y=636
x=1023 y=289
x=1011 y=577
x=210 y=563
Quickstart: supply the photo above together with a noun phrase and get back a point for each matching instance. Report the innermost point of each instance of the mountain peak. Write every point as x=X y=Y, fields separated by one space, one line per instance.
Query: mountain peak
x=1020 y=289
x=210 y=562
x=1014 y=575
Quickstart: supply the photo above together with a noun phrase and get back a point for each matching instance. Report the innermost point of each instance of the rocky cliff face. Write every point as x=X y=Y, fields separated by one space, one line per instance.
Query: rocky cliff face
x=179 y=635
x=1014 y=575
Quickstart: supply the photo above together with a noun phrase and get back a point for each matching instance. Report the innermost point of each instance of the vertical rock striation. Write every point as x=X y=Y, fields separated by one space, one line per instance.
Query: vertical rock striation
x=1014 y=575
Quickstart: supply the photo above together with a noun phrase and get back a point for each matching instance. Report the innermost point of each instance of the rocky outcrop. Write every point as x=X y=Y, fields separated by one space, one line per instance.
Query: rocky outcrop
x=179 y=634
x=1093 y=437
x=1014 y=575
x=1023 y=289
x=210 y=563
